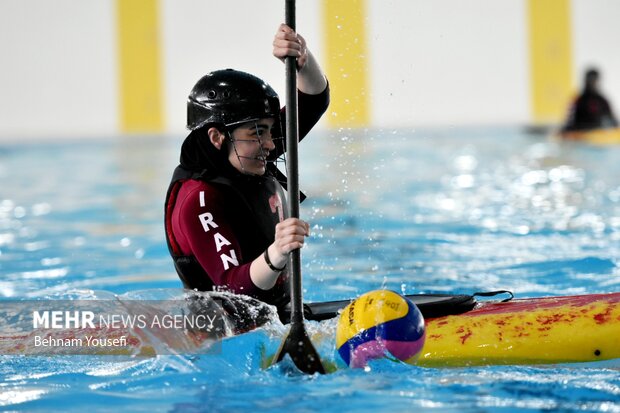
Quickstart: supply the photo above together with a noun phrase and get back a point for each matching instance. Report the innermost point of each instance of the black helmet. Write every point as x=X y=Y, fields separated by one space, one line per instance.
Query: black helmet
x=230 y=97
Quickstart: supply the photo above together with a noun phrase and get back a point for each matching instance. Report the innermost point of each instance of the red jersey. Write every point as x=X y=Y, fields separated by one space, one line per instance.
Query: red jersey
x=201 y=223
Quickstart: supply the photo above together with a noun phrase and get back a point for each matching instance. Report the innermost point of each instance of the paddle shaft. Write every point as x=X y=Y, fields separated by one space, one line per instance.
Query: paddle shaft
x=292 y=167
x=297 y=343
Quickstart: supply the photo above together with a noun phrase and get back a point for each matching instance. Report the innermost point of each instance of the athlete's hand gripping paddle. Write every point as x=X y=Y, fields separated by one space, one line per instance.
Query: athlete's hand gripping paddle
x=296 y=344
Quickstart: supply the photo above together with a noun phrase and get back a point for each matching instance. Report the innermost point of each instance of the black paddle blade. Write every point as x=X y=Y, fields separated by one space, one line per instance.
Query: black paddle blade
x=298 y=346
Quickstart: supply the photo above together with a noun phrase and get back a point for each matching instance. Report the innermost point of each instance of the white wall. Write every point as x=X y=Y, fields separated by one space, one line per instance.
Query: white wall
x=449 y=62
x=201 y=36
x=432 y=62
x=58 y=71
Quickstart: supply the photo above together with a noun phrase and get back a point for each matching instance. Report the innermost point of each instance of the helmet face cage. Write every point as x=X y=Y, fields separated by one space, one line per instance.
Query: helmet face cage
x=274 y=157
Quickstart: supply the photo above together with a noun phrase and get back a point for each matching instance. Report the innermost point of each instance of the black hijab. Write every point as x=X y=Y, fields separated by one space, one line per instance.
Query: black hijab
x=201 y=157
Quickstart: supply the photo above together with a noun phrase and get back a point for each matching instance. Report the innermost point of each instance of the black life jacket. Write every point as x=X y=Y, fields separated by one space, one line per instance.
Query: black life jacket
x=249 y=212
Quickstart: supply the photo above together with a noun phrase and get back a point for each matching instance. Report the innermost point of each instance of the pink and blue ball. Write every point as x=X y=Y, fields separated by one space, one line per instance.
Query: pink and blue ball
x=378 y=324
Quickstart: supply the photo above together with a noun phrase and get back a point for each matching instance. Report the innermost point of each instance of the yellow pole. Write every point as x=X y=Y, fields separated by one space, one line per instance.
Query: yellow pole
x=347 y=62
x=139 y=66
x=550 y=59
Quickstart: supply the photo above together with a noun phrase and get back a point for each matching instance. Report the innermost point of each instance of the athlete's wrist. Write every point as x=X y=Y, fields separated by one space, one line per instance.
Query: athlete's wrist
x=279 y=267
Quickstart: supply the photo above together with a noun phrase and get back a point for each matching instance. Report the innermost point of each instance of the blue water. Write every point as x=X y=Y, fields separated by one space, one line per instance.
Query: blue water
x=419 y=211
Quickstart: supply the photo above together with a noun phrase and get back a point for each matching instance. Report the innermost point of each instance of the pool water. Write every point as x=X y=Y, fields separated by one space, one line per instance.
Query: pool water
x=454 y=210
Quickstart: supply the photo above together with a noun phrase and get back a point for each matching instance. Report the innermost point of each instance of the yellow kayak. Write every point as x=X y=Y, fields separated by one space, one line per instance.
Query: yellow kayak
x=580 y=328
x=609 y=136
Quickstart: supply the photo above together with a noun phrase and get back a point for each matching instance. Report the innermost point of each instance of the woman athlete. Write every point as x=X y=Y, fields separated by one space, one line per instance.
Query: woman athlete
x=225 y=210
